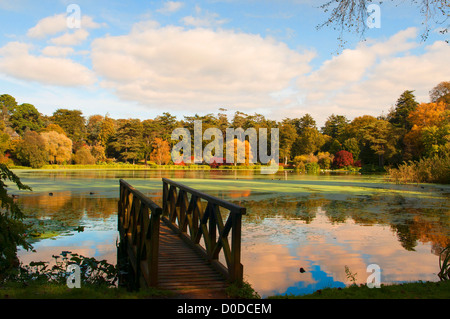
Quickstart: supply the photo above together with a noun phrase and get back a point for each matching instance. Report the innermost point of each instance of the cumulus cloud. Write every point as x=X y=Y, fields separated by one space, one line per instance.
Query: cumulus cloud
x=53 y=25
x=48 y=26
x=16 y=61
x=170 y=7
x=56 y=51
x=74 y=38
x=196 y=69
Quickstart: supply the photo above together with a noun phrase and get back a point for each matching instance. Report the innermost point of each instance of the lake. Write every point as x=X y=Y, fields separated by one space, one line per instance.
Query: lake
x=324 y=223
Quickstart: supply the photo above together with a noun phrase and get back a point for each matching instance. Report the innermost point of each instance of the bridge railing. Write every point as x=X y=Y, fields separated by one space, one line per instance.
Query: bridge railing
x=198 y=219
x=139 y=223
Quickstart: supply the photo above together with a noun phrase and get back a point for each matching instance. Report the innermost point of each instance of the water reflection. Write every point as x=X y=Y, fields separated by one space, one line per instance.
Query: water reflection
x=321 y=223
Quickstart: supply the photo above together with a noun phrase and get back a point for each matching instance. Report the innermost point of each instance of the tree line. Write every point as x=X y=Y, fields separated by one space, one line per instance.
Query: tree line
x=409 y=132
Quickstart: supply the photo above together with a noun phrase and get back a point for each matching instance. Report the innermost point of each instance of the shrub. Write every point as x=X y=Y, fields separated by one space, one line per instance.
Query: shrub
x=342 y=159
x=83 y=156
x=312 y=167
x=428 y=170
x=324 y=160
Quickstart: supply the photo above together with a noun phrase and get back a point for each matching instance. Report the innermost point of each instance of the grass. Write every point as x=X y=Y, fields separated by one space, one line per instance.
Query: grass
x=60 y=291
x=414 y=290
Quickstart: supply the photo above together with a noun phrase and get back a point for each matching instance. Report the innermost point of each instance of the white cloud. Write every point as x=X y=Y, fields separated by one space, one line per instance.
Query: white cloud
x=73 y=38
x=196 y=69
x=55 y=51
x=48 y=26
x=16 y=61
x=170 y=7
x=203 y=19
x=57 y=24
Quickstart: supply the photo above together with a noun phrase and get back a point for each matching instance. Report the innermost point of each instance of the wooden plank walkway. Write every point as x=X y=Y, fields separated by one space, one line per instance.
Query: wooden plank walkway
x=177 y=247
x=184 y=272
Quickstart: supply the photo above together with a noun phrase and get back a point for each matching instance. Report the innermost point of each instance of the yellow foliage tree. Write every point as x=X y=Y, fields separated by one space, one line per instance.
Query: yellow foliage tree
x=58 y=146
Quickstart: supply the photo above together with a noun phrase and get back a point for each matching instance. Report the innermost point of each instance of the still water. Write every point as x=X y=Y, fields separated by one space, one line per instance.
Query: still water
x=322 y=223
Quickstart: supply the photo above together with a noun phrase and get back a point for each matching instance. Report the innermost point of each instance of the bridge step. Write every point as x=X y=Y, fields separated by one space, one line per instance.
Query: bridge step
x=184 y=271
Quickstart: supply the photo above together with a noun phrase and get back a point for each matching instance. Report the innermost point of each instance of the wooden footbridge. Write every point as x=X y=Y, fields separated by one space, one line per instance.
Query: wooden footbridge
x=183 y=246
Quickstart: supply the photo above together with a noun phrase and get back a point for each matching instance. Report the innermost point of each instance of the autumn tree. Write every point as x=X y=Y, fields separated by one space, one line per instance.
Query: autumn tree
x=242 y=151
x=441 y=93
x=58 y=147
x=83 y=156
x=427 y=115
x=161 y=151
x=54 y=127
x=342 y=159
x=31 y=150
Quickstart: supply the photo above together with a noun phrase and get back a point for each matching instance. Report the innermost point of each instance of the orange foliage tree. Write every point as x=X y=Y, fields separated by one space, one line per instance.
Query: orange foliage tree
x=161 y=151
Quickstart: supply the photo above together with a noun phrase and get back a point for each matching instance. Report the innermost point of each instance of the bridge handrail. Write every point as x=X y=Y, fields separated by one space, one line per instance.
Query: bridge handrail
x=139 y=223
x=188 y=218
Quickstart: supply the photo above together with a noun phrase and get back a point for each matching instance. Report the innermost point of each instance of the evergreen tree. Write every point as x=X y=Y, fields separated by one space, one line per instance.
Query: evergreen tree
x=406 y=104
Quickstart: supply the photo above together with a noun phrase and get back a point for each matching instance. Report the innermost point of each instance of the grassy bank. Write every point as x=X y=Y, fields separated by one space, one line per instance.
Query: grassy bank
x=414 y=290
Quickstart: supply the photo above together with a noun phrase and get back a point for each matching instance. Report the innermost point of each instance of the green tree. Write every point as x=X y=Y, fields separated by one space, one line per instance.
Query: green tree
x=351 y=145
x=73 y=123
x=335 y=126
x=12 y=229
x=288 y=135
x=7 y=106
x=107 y=131
x=382 y=138
x=25 y=116
x=435 y=139
x=167 y=123
x=127 y=143
x=94 y=129
x=31 y=150
x=5 y=142
x=309 y=141
x=306 y=121
x=406 y=104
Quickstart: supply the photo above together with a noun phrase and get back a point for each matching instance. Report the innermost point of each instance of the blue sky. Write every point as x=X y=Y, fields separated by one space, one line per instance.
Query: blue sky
x=137 y=59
